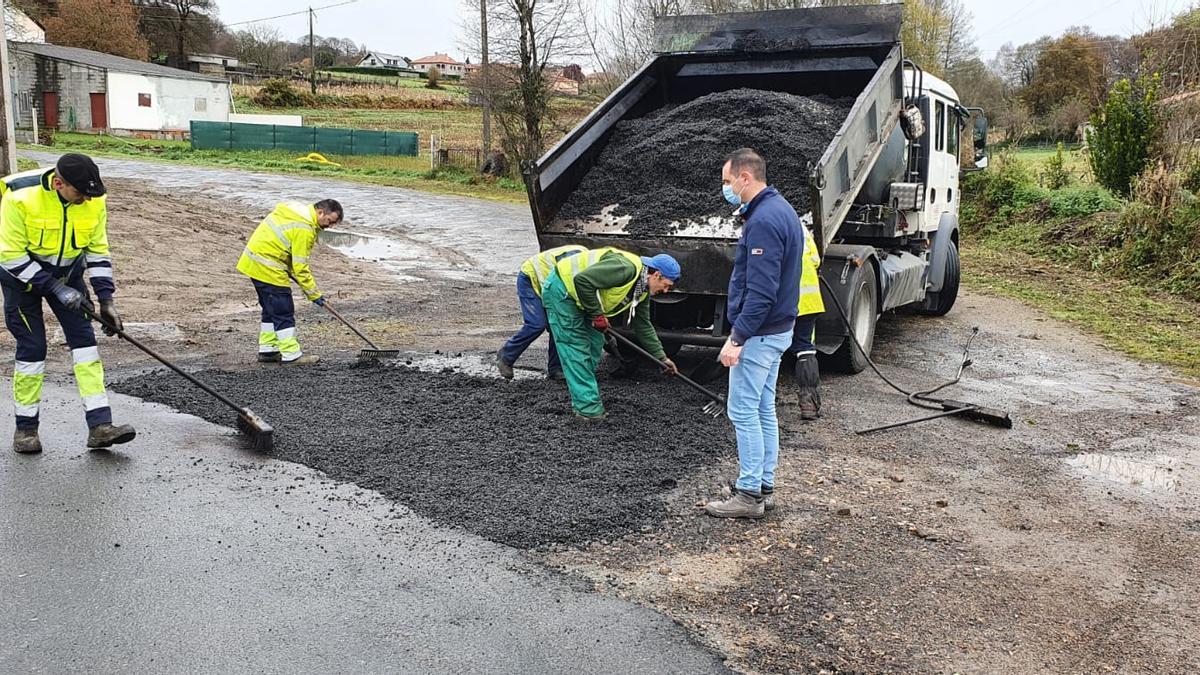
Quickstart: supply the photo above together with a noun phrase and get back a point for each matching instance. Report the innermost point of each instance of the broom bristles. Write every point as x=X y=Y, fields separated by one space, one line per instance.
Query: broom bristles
x=261 y=434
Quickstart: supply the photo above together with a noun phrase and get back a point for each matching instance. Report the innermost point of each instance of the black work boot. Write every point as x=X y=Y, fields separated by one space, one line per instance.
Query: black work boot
x=108 y=435
x=506 y=369
x=269 y=357
x=808 y=379
x=26 y=442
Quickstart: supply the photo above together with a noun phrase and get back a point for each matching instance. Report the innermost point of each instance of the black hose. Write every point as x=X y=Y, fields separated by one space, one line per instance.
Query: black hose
x=920 y=399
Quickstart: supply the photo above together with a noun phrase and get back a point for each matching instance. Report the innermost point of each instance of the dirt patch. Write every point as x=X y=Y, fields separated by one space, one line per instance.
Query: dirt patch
x=666 y=166
x=505 y=460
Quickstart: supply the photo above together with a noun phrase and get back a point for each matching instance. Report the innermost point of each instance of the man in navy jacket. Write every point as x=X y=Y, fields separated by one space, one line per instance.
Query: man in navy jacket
x=764 y=292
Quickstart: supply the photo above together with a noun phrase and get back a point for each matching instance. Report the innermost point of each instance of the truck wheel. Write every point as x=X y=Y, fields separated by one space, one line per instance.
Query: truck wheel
x=862 y=314
x=939 y=304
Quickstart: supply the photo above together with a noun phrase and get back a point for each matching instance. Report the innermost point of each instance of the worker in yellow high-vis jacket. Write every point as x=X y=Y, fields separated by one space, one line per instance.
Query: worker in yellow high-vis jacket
x=53 y=230
x=533 y=274
x=808 y=375
x=277 y=253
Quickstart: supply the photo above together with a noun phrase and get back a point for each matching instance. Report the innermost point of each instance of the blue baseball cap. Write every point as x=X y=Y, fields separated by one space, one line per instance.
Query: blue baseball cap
x=665 y=264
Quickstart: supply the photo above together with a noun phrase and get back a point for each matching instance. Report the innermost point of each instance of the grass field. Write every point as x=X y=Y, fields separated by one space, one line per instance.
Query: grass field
x=409 y=172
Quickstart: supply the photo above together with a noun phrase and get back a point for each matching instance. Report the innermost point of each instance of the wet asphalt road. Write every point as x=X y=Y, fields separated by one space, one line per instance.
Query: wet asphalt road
x=182 y=552
x=422 y=235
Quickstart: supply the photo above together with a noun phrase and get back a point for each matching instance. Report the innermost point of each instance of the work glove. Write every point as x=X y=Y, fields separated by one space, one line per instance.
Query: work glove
x=669 y=367
x=319 y=301
x=600 y=323
x=71 y=298
x=109 y=317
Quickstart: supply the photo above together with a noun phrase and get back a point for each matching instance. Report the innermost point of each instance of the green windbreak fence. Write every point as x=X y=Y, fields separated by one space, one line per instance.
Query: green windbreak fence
x=237 y=136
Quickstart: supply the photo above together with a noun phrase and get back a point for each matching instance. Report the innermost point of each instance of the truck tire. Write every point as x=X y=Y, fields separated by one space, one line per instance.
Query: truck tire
x=862 y=313
x=940 y=303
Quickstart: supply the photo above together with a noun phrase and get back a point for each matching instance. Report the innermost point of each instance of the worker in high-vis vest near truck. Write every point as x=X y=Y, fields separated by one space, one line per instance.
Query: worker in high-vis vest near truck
x=277 y=253
x=53 y=230
x=582 y=293
x=530 y=278
x=808 y=375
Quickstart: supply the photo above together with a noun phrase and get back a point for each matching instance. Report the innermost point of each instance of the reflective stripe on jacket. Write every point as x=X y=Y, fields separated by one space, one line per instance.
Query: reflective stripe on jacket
x=538 y=267
x=612 y=300
x=810 y=281
x=280 y=247
x=42 y=238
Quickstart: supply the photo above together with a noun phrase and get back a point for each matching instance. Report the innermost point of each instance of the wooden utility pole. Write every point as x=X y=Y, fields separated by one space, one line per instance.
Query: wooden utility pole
x=487 y=89
x=8 y=146
x=312 y=54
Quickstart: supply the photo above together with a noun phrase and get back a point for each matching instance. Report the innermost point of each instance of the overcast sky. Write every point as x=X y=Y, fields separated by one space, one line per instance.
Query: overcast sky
x=415 y=28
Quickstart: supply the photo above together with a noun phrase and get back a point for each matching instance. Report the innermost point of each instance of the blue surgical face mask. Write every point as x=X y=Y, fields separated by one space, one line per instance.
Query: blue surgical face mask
x=731 y=196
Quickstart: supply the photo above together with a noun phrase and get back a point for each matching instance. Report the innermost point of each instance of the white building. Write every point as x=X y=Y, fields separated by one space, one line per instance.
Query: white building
x=381 y=60
x=444 y=63
x=78 y=89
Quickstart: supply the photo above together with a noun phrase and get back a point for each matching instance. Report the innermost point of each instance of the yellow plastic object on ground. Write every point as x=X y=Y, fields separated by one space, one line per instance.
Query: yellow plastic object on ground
x=317 y=158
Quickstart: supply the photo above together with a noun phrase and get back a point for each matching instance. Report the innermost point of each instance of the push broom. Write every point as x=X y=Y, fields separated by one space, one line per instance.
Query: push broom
x=256 y=428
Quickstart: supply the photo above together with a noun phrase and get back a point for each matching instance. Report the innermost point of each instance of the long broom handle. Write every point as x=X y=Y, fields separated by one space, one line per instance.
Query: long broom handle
x=349 y=325
x=634 y=346
x=161 y=359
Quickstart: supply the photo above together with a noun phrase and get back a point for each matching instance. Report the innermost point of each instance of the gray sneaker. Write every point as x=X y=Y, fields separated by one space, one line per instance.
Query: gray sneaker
x=768 y=495
x=740 y=505
x=26 y=442
x=305 y=360
x=506 y=370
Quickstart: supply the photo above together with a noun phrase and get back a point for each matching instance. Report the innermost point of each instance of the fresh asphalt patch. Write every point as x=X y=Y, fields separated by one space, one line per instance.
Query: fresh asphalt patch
x=508 y=461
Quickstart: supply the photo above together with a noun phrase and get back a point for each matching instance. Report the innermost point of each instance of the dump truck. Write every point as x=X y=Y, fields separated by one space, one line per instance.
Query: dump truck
x=884 y=195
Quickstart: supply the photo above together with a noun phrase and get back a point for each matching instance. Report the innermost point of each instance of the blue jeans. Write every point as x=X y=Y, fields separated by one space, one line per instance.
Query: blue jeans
x=533 y=313
x=752 y=409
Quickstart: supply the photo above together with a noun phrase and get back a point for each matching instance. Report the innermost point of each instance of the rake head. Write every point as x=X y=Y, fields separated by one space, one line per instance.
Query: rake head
x=377 y=354
x=714 y=408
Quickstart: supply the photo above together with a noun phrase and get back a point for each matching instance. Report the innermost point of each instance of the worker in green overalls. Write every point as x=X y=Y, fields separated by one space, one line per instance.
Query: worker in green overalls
x=582 y=293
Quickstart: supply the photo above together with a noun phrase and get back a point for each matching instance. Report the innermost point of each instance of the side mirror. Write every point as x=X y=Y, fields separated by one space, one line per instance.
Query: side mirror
x=979 y=125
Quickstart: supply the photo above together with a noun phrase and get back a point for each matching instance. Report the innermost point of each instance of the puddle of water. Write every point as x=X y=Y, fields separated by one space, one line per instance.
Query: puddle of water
x=1157 y=473
x=397 y=256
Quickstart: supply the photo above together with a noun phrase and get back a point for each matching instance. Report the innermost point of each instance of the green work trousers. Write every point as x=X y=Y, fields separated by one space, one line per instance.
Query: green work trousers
x=579 y=346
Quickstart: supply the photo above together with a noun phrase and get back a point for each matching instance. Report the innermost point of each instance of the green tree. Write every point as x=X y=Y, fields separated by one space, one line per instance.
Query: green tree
x=1123 y=133
x=1072 y=67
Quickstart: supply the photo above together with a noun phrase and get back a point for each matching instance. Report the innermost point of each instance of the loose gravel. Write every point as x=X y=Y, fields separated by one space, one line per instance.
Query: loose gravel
x=504 y=460
x=666 y=167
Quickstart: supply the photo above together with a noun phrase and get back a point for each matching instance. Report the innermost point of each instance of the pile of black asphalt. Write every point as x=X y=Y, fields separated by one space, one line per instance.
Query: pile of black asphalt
x=508 y=461
x=665 y=167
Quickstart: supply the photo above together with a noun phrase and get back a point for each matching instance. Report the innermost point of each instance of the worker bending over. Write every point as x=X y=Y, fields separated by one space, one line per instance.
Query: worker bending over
x=529 y=292
x=808 y=375
x=582 y=293
x=53 y=228
x=278 y=252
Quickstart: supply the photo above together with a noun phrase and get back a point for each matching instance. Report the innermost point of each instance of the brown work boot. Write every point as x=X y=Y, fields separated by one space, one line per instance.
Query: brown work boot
x=739 y=505
x=108 y=435
x=305 y=360
x=26 y=442
x=269 y=357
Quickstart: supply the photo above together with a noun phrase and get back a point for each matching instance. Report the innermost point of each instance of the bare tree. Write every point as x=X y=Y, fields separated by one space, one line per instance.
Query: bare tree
x=178 y=27
x=525 y=37
x=261 y=44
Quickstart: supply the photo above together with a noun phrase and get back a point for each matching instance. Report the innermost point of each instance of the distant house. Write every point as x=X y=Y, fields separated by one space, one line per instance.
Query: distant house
x=211 y=64
x=444 y=63
x=381 y=60
x=565 y=86
x=73 y=88
x=20 y=27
